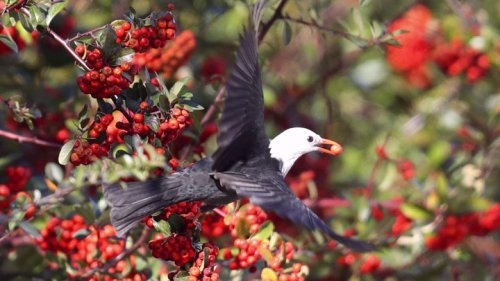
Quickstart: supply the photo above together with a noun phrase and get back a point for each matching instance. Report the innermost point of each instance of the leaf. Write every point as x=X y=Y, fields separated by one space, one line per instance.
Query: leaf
x=265 y=231
x=81 y=233
x=163 y=227
x=54 y=172
x=287 y=33
x=242 y=228
x=37 y=16
x=7 y=41
x=24 y=19
x=83 y=113
x=268 y=274
x=177 y=223
x=108 y=42
x=65 y=152
x=179 y=87
x=30 y=229
x=191 y=106
x=122 y=56
x=415 y=212
x=54 y=10
x=152 y=122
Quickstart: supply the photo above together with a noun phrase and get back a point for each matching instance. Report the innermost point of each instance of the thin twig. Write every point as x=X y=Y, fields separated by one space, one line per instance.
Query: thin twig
x=28 y=139
x=90 y=32
x=277 y=14
x=15 y=5
x=68 y=48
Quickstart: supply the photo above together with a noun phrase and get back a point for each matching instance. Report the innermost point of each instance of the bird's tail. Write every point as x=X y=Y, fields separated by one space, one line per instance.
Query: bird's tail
x=138 y=200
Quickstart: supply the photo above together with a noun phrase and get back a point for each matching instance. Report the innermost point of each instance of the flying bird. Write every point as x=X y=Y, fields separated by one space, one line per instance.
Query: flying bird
x=246 y=163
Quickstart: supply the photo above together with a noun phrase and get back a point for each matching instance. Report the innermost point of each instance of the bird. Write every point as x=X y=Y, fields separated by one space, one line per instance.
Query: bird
x=246 y=163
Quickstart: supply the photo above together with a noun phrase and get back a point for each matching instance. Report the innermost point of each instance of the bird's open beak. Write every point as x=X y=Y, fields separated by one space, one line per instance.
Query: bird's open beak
x=332 y=147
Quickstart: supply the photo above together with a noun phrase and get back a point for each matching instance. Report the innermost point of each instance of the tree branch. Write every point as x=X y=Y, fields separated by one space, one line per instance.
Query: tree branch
x=28 y=139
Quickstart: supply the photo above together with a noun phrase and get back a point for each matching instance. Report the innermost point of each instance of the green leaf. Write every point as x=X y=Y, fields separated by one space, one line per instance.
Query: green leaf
x=265 y=231
x=7 y=41
x=81 y=233
x=415 y=212
x=190 y=105
x=24 y=19
x=83 y=113
x=122 y=55
x=179 y=87
x=177 y=223
x=108 y=43
x=54 y=10
x=163 y=227
x=54 y=172
x=242 y=228
x=152 y=122
x=30 y=229
x=65 y=152
x=37 y=16
x=287 y=33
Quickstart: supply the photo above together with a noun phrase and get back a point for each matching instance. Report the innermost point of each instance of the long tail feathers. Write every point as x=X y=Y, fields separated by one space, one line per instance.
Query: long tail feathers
x=139 y=200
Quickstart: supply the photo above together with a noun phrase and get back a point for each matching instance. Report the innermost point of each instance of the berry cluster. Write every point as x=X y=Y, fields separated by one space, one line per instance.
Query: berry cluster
x=406 y=169
x=401 y=224
x=85 y=153
x=250 y=213
x=369 y=265
x=177 y=248
x=86 y=247
x=210 y=270
x=248 y=253
x=189 y=211
x=212 y=225
x=456 y=228
x=455 y=58
x=424 y=43
x=12 y=32
x=102 y=81
x=17 y=177
x=168 y=60
x=142 y=39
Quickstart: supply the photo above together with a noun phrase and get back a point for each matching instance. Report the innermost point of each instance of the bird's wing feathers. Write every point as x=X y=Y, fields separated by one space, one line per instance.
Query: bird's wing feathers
x=241 y=127
x=272 y=194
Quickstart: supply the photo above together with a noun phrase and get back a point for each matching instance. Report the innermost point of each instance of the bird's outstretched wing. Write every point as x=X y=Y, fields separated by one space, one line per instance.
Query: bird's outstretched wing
x=271 y=193
x=241 y=128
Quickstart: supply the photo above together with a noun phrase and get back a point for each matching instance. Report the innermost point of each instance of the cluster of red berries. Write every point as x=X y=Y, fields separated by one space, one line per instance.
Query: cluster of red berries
x=406 y=169
x=456 y=228
x=369 y=265
x=424 y=43
x=298 y=184
x=213 y=68
x=168 y=60
x=85 y=153
x=171 y=128
x=86 y=250
x=210 y=270
x=213 y=226
x=294 y=275
x=189 y=211
x=455 y=58
x=401 y=224
x=177 y=248
x=12 y=32
x=17 y=177
x=102 y=81
x=252 y=214
x=248 y=253
x=146 y=37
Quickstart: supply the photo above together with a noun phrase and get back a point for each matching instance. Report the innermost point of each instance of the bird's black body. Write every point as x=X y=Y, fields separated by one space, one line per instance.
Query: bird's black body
x=241 y=167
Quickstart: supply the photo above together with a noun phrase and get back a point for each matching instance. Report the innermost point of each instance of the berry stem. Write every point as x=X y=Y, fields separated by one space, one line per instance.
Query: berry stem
x=21 y=139
x=68 y=48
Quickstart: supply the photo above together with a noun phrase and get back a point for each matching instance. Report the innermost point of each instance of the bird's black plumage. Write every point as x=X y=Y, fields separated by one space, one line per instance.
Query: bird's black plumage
x=241 y=167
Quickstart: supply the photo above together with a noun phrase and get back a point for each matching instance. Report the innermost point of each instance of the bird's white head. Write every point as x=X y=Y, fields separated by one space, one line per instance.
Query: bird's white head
x=288 y=146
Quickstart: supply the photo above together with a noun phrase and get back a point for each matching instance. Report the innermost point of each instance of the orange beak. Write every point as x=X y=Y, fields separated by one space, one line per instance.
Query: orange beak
x=334 y=148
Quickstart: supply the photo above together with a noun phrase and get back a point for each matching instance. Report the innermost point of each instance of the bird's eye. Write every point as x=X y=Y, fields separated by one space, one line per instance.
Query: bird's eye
x=310 y=139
